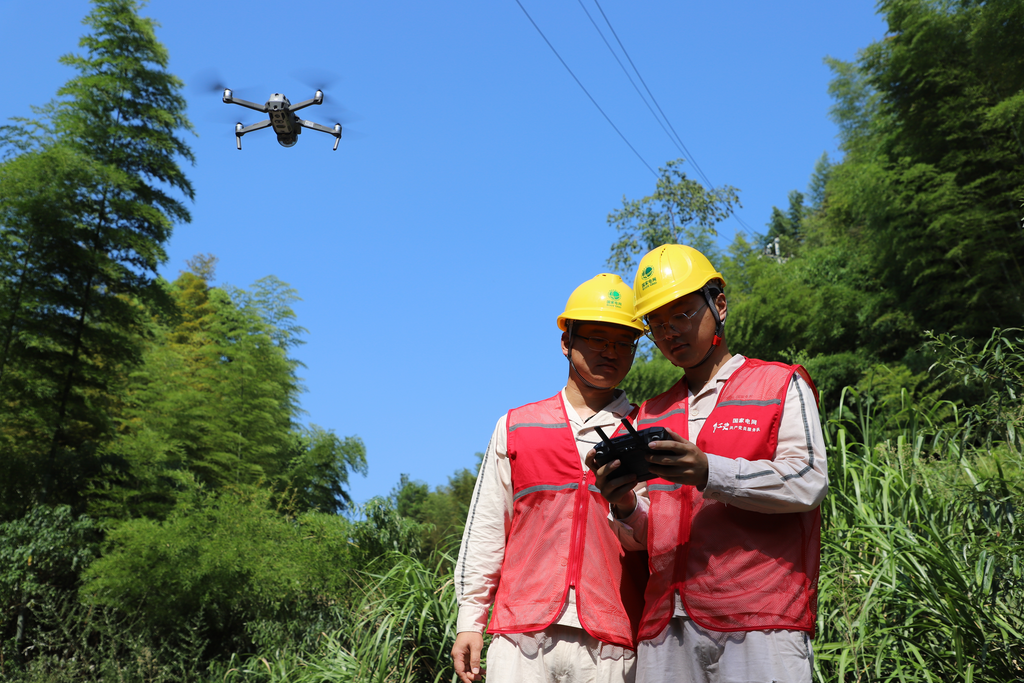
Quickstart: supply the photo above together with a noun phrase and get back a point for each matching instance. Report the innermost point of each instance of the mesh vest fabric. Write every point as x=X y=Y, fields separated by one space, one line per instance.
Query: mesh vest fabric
x=735 y=570
x=559 y=537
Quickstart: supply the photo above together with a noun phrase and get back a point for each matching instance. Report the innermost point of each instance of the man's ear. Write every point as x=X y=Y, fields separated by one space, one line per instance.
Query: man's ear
x=565 y=344
x=722 y=305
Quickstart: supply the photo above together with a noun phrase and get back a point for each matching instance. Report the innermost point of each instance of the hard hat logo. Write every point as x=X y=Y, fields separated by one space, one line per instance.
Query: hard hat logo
x=648 y=271
x=614 y=295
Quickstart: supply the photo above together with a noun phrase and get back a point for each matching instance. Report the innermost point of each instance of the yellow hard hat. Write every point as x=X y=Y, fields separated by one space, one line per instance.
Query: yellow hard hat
x=601 y=299
x=669 y=272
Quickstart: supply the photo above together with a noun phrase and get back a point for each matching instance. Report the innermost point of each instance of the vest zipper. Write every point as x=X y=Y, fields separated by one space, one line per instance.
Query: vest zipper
x=575 y=551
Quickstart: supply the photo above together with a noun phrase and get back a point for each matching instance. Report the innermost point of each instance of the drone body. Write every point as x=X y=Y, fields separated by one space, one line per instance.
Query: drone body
x=282 y=118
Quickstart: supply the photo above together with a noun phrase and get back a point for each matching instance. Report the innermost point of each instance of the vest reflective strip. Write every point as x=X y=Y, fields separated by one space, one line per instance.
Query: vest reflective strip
x=664 y=487
x=651 y=420
x=542 y=425
x=546 y=487
x=766 y=402
x=593 y=489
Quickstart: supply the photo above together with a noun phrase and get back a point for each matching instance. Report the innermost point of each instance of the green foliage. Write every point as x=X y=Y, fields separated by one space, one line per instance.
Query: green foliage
x=917 y=228
x=816 y=188
x=78 y=643
x=786 y=227
x=319 y=466
x=41 y=555
x=680 y=211
x=921 y=578
x=217 y=396
x=44 y=549
x=992 y=373
x=86 y=214
x=401 y=632
x=380 y=530
x=946 y=166
x=443 y=511
x=230 y=559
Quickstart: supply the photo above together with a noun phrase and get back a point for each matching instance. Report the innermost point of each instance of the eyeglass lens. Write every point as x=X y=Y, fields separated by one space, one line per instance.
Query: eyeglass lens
x=600 y=344
x=677 y=324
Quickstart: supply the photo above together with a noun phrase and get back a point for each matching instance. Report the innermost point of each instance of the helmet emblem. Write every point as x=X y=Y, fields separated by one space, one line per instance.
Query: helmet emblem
x=648 y=271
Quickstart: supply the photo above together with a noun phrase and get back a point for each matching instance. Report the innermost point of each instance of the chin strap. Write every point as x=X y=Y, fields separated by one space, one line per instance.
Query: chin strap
x=719 y=325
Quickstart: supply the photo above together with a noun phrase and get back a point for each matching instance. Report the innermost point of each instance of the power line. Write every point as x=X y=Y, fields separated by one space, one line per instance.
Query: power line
x=630 y=78
x=642 y=160
x=689 y=156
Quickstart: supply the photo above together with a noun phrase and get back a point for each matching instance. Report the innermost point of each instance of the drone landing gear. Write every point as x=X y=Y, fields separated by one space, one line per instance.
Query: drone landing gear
x=336 y=131
x=241 y=130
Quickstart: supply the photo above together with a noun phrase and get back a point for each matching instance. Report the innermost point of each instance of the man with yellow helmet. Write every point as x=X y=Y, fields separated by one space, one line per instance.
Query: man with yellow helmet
x=537 y=546
x=732 y=524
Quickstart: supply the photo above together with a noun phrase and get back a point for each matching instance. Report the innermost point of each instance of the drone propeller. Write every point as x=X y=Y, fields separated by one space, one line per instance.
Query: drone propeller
x=209 y=80
x=212 y=81
x=316 y=79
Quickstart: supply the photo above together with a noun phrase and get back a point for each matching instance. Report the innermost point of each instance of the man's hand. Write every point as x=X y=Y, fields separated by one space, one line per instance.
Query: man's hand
x=466 y=655
x=679 y=461
x=617 y=490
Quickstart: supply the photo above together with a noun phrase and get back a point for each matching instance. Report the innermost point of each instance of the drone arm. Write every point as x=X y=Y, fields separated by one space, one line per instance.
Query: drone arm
x=318 y=98
x=304 y=104
x=230 y=99
x=335 y=131
x=241 y=130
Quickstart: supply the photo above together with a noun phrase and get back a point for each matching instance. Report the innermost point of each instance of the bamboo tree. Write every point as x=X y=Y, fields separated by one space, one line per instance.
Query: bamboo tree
x=74 y=329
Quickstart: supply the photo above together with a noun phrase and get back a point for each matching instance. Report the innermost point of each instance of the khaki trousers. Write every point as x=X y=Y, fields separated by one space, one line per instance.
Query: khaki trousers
x=558 y=654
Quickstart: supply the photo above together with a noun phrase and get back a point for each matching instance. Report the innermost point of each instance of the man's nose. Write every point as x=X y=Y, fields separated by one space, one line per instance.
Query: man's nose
x=668 y=331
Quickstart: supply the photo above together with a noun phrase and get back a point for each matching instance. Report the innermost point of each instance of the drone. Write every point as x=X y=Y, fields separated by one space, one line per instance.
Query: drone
x=282 y=117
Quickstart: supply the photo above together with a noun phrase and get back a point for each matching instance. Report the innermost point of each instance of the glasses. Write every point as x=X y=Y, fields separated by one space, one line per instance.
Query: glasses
x=600 y=344
x=677 y=324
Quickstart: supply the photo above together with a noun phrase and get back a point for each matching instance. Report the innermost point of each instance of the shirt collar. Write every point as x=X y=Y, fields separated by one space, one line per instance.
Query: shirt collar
x=723 y=374
x=619 y=408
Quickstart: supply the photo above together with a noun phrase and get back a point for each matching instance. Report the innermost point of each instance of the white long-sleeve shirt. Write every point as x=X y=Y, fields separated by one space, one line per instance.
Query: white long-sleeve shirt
x=795 y=480
x=478 y=569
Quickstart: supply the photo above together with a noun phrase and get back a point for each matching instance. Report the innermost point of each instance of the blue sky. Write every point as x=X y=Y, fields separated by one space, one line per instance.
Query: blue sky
x=434 y=250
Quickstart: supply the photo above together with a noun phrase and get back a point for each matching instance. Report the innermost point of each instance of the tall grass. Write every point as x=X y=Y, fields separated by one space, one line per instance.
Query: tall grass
x=401 y=631
x=922 y=554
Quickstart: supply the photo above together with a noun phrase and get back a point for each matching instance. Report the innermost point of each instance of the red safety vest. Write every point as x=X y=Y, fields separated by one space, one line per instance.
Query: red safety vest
x=560 y=537
x=736 y=570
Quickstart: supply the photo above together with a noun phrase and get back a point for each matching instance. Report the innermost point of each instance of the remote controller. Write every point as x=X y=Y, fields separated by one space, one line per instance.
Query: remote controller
x=629 y=449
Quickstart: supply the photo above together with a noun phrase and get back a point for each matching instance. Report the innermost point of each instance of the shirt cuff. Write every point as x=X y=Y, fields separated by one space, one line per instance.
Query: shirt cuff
x=471 y=618
x=626 y=529
x=721 y=472
x=636 y=504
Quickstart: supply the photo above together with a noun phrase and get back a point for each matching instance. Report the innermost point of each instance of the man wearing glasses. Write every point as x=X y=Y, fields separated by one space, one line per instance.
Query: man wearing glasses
x=537 y=545
x=732 y=523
